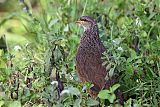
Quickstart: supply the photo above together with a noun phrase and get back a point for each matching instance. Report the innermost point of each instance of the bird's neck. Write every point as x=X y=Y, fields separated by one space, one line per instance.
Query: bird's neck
x=91 y=32
x=90 y=37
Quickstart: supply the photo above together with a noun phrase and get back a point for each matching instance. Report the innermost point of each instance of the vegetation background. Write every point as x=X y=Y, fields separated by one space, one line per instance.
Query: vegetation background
x=38 y=44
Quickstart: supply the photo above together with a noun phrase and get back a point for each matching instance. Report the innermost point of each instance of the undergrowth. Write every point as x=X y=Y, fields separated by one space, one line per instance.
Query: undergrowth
x=41 y=72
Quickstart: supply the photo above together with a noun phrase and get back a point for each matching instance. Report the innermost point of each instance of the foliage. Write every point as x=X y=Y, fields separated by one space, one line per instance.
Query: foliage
x=129 y=30
x=109 y=94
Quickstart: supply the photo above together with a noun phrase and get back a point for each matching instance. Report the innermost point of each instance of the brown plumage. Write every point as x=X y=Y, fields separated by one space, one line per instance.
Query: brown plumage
x=88 y=59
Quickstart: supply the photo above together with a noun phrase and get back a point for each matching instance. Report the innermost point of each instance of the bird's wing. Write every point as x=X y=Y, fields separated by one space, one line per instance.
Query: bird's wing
x=89 y=67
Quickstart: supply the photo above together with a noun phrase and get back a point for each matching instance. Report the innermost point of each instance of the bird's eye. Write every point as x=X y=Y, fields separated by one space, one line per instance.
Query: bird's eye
x=83 y=19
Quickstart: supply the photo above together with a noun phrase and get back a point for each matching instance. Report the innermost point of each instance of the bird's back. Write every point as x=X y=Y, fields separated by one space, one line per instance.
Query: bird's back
x=89 y=62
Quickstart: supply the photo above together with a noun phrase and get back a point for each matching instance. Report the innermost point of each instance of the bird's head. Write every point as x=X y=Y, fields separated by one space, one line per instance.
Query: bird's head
x=86 y=22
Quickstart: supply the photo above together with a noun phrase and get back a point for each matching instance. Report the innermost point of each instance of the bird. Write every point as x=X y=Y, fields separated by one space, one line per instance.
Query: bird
x=88 y=58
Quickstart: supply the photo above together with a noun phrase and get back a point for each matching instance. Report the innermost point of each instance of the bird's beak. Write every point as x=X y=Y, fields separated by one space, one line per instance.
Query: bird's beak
x=78 y=21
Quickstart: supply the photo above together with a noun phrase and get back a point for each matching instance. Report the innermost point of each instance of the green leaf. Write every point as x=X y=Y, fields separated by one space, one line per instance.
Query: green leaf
x=114 y=105
x=91 y=102
x=53 y=22
x=158 y=3
x=139 y=61
x=151 y=15
x=108 y=67
x=117 y=41
x=128 y=103
x=1 y=52
x=115 y=87
x=104 y=94
x=2 y=64
x=66 y=29
x=15 y=104
x=74 y=91
x=133 y=54
x=111 y=72
x=117 y=105
x=111 y=98
x=129 y=69
x=129 y=60
x=77 y=103
x=40 y=105
x=1 y=103
x=58 y=105
x=104 y=63
x=57 y=54
x=144 y=34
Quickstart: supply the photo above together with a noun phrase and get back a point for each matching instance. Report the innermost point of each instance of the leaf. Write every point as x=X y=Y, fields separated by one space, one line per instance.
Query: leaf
x=139 y=61
x=77 y=103
x=1 y=103
x=144 y=34
x=115 y=87
x=111 y=98
x=15 y=104
x=111 y=72
x=108 y=66
x=117 y=41
x=151 y=15
x=128 y=103
x=57 y=54
x=1 y=52
x=74 y=91
x=104 y=63
x=117 y=105
x=158 y=3
x=104 y=94
x=8 y=17
x=129 y=60
x=2 y=64
x=66 y=29
x=133 y=54
x=58 y=105
x=129 y=69
x=40 y=105
x=91 y=102
x=53 y=22
x=151 y=62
